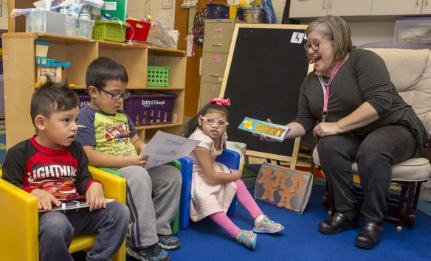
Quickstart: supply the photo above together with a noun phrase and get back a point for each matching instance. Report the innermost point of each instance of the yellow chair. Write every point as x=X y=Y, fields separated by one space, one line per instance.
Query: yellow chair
x=19 y=220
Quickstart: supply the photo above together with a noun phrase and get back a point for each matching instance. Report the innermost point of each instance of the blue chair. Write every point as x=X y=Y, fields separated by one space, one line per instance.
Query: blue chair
x=229 y=158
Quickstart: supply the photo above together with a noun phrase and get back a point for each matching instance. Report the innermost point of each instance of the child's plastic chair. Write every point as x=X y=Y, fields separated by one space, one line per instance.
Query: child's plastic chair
x=19 y=221
x=229 y=158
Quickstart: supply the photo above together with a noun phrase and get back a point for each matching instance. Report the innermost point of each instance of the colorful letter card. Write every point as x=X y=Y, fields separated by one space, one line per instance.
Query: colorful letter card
x=274 y=131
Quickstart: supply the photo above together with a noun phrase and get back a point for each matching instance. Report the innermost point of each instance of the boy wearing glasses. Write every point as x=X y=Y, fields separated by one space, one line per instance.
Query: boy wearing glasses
x=110 y=140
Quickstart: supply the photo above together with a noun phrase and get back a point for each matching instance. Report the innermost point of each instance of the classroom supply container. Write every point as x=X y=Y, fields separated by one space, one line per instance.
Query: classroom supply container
x=217 y=11
x=116 y=9
x=41 y=21
x=49 y=68
x=233 y=10
x=114 y=31
x=150 y=108
x=84 y=100
x=157 y=76
x=138 y=30
x=252 y=15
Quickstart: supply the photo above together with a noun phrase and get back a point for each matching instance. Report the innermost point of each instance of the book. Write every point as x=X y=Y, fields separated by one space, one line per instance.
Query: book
x=73 y=205
x=268 y=129
x=284 y=187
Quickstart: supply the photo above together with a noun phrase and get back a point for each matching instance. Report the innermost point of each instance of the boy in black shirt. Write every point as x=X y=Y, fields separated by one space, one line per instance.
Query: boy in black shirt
x=51 y=163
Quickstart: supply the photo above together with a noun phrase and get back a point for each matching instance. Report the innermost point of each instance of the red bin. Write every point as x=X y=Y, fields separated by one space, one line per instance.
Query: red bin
x=138 y=30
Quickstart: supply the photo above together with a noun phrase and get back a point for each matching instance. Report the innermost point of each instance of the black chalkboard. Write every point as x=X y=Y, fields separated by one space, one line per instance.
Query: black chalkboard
x=263 y=80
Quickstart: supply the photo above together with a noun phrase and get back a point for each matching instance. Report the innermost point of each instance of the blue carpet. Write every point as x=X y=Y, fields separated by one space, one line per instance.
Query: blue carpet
x=301 y=239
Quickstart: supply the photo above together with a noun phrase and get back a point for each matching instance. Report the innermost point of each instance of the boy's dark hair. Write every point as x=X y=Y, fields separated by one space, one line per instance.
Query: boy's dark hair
x=104 y=69
x=193 y=123
x=52 y=97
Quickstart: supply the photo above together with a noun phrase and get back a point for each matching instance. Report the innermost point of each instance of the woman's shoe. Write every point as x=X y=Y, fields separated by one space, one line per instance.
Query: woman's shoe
x=337 y=223
x=369 y=235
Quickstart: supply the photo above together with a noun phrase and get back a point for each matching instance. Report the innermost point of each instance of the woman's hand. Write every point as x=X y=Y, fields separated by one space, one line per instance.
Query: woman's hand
x=324 y=129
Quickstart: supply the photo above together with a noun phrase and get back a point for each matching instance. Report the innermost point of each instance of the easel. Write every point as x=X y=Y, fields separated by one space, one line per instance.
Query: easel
x=268 y=157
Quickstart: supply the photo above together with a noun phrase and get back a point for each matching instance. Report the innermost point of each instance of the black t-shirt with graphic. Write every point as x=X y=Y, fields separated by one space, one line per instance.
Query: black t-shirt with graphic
x=62 y=172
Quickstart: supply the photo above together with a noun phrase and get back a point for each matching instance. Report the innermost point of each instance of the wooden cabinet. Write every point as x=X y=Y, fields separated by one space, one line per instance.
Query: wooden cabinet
x=217 y=39
x=401 y=7
x=316 y=8
x=20 y=77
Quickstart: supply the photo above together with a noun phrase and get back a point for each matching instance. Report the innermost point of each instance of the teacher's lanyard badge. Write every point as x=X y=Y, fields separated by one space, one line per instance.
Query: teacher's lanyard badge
x=325 y=88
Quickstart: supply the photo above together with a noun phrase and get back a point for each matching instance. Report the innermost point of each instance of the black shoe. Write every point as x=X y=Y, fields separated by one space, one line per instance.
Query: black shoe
x=369 y=235
x=337 y=223
x=151 y=253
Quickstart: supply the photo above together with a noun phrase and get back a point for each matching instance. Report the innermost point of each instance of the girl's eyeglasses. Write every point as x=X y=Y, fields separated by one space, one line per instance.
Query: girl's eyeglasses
x=117 y=96
x=212 y=121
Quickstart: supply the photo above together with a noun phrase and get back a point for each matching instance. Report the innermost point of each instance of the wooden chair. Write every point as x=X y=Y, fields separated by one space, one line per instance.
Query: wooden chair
x=19 y=220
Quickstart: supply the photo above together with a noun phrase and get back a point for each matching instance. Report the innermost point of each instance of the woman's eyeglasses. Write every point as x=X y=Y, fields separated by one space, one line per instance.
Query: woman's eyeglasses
x=314 y=46
x=117 y=96
x=212 y=121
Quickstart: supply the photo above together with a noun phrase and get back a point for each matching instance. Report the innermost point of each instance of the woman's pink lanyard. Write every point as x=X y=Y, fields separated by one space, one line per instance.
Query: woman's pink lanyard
x=325 y=87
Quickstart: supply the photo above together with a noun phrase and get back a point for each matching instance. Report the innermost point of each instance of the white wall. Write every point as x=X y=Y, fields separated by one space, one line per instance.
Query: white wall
x=155 y=8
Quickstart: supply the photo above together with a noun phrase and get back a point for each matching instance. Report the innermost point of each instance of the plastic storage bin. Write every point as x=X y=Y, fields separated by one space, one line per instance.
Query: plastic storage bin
x=114 y=31
x=146 y=109
x=138 y=30
x=40 y=21
x=157 y=76
x=84 y=100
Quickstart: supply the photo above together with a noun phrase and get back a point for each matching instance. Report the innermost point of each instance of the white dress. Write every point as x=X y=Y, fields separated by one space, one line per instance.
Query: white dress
x=207 y=198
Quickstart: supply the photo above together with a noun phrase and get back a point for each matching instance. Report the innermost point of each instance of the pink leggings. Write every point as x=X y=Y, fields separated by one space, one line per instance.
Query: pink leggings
x=244 y=197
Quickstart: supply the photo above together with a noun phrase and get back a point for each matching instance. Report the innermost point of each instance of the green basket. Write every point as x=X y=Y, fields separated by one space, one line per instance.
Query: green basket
x=157 y=76
x=113 y=31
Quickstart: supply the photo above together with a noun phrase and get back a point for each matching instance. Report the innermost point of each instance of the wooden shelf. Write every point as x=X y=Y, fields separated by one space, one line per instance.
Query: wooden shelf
x=158 y=126
x=155 y=88
x=20 y=74
x=166 y=51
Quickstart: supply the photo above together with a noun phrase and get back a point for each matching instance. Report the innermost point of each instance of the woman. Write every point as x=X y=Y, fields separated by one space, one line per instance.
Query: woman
x=360 y=117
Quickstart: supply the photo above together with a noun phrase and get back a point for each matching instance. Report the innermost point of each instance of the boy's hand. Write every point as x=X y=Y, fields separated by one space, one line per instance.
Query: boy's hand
x=45 y=199
x=139 y=160
x=95 y=197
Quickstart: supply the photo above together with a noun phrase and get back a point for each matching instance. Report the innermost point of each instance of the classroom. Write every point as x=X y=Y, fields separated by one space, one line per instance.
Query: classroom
x=215 y=130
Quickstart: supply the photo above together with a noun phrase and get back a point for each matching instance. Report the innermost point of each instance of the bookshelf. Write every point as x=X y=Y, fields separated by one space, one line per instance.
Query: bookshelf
x=20 y=75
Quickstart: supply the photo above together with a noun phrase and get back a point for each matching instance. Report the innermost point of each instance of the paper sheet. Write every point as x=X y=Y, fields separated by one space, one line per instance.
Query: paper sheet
x=165 y=147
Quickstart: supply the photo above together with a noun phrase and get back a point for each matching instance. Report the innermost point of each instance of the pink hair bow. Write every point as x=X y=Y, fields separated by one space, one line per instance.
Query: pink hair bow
x=220 y=101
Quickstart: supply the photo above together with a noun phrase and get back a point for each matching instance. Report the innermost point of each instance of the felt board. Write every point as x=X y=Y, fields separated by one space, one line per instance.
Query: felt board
x=263 y=75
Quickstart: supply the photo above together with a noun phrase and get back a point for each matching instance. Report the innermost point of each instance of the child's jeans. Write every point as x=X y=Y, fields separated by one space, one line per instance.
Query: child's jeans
x=153 y=197
x=56 y=230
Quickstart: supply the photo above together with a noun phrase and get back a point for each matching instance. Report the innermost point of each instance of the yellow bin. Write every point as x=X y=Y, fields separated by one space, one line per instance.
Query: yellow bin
x=233 y=9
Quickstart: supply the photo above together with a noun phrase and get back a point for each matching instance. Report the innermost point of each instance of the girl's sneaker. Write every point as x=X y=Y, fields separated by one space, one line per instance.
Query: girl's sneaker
x=266 y=225
x=247 y=238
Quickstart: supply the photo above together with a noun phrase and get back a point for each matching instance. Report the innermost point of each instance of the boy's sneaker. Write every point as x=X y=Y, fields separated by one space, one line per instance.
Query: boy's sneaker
x=266 y=225
x=169 y=242
x=153 y=253
x=247 y=238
